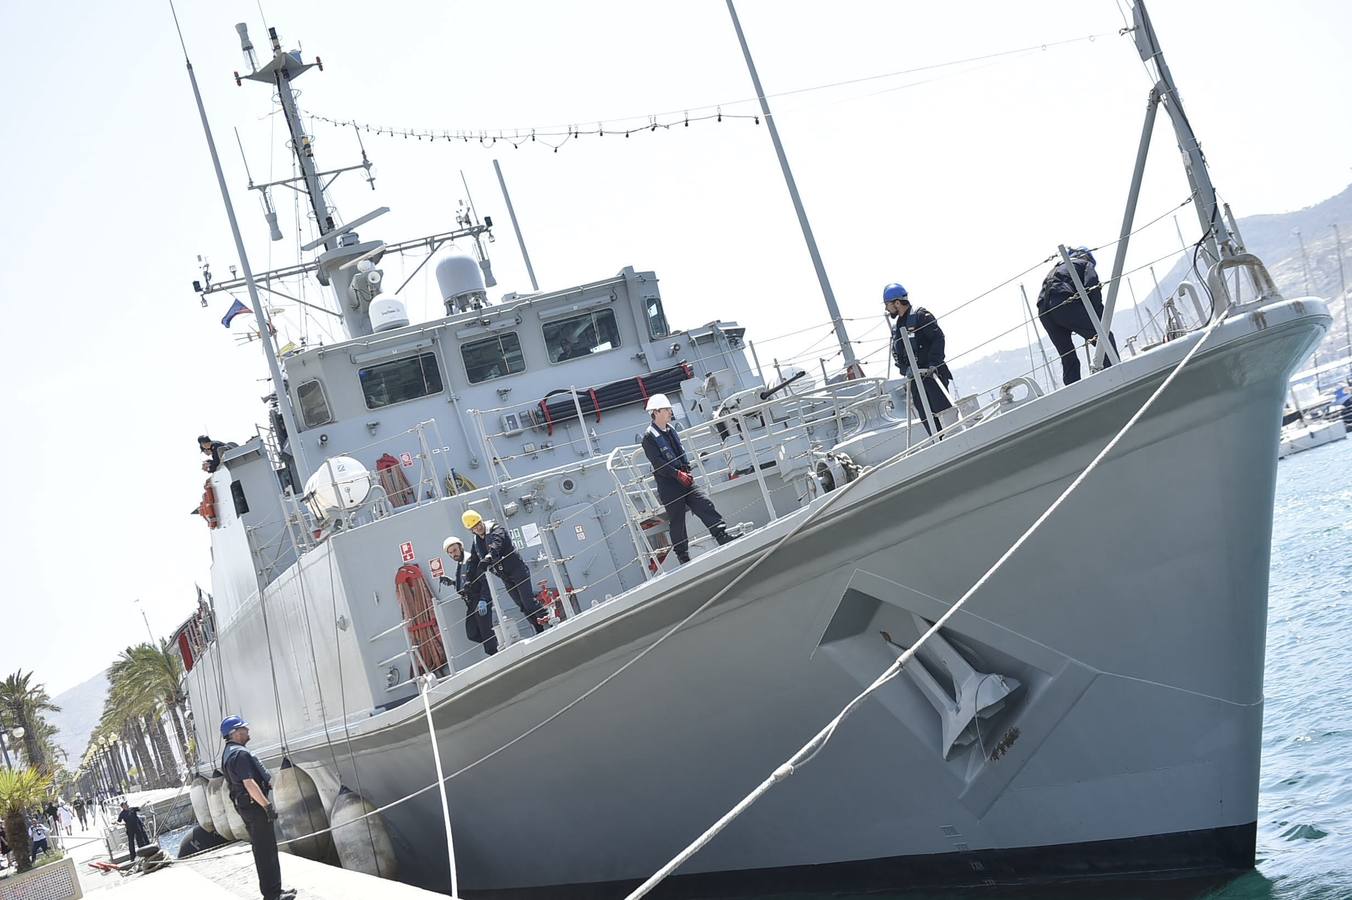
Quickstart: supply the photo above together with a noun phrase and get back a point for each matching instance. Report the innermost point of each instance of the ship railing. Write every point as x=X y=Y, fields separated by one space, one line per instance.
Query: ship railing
x=752 y=432
x=390 y=491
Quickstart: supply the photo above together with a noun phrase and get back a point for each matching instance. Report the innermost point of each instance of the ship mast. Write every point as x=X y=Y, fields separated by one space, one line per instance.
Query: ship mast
x=1216 y=236
x=279 y=72
x=852 y=368
x=264 y=327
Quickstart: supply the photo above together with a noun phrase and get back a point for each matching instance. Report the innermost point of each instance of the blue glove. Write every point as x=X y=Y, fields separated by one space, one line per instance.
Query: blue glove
x=483 y=607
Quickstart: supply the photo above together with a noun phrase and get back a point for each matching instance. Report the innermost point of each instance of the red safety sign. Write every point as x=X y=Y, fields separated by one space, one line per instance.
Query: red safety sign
x=406 y=459
x=437 y=569
x=406 y=551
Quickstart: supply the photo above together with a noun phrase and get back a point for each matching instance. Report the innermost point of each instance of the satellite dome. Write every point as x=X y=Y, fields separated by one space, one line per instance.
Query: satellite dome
x=340 y=484
x=461 y=281
x=387 y=313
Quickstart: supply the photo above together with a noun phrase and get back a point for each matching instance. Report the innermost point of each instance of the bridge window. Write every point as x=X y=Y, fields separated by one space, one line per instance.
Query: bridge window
x=657 y=319
x=314 y=406
x=400 y=380
x=578 y=336
x=495 y=357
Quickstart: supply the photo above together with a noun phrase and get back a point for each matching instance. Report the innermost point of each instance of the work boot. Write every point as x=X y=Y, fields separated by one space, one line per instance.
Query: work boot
x=682 y=558
x=721 y=535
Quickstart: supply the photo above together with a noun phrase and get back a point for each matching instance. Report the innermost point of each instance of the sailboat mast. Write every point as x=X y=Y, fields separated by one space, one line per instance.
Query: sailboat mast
x=852 y=368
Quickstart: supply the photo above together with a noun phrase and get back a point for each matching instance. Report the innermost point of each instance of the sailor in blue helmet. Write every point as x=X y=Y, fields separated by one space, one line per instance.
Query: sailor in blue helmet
x=1062 y=312
x=921 y=328
x=675 y=484
x=250 y=785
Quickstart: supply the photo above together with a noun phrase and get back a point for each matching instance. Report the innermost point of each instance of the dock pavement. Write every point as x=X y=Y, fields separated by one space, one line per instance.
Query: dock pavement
x=225 y=873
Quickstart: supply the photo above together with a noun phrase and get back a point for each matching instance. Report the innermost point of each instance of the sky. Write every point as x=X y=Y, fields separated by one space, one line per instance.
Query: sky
x=948 y=178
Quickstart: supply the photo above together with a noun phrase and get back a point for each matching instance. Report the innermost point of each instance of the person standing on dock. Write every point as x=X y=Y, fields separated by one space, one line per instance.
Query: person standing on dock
x=919 y=326
x=470 y=586
x=1062 y=314
x=675 y=483
x=130 y=819
x=250 y=785
x=493 y=549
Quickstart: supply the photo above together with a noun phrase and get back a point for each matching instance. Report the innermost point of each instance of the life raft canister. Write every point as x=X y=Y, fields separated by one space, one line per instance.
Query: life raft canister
x=207 y=508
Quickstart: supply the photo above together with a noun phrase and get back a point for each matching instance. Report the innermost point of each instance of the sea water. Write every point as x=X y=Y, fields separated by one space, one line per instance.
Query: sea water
x=1305 y=791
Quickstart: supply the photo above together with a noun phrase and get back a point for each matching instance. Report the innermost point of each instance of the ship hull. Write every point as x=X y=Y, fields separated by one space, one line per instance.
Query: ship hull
x=1134 y=621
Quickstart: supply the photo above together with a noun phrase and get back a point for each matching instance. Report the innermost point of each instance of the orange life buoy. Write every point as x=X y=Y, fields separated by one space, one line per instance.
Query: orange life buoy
x=207 y=508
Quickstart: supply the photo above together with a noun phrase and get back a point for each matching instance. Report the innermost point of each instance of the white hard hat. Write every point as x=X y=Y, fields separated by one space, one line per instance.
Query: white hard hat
x=446 y=544
x=658 y=401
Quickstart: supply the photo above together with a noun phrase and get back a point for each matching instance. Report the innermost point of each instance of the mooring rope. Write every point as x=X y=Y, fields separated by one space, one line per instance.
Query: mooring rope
x=809 y=750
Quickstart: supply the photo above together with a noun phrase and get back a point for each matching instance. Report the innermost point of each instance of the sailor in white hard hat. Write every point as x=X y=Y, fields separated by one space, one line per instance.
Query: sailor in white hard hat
x=675 y=485
x=471 y=587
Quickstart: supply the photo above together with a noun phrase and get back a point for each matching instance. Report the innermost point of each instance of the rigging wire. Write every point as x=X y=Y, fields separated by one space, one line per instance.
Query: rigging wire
x=814 y=746
x=626 y=125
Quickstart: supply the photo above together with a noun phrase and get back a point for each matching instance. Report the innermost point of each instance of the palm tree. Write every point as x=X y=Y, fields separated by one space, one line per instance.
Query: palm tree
x=22 y=704
x=20 y=790
x=144 y=686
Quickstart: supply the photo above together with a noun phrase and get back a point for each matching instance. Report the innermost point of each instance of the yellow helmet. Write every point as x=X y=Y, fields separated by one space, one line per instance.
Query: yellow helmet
x=469 y=518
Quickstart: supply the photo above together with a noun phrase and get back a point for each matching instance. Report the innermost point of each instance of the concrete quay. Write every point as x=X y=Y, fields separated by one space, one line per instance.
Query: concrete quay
x=227 y=873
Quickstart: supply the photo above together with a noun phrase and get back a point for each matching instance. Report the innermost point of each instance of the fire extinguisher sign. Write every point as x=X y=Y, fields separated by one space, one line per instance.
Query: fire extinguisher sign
x=436 y=566
x=406 y=551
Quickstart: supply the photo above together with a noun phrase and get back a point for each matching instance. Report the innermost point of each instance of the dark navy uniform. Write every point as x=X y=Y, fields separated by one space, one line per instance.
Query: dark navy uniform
x=494 y=551
x=469 y=584
x=130 y=818
x=927 y=342
x=239 y=764
x=1062 y=312
x=670 y=467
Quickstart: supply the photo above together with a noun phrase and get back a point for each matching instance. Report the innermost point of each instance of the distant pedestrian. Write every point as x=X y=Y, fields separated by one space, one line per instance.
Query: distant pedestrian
x=920 y=328
x=249 y=785
x=79 y=805
x=469 y=584
x=493 y=550
x=1061 y=311
x=675 y=483
x=65 y=816
x=130 y=819
x=37 y=835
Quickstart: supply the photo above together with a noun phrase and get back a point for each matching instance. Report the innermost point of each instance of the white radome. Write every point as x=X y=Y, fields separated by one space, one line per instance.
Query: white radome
x=388 y=313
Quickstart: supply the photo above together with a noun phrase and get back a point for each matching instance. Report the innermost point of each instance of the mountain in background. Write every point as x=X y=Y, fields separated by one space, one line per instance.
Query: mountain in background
x=1271 y=237
x=81 y=707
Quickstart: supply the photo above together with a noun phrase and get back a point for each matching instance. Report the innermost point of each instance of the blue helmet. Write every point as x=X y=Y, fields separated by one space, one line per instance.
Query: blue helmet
x=893 y=291
x=230 y=723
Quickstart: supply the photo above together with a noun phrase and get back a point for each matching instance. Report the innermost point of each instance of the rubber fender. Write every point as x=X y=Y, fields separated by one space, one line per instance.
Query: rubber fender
x=217 y=799
x=197 y=840
x=300 y=811
x=201 y=806
x=363 y=844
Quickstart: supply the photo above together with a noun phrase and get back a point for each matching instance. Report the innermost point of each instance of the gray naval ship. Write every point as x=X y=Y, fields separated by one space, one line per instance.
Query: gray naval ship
x=1094 y=710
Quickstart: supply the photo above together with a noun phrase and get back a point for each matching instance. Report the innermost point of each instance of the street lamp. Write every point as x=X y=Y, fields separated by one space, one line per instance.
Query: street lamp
x=17 y=733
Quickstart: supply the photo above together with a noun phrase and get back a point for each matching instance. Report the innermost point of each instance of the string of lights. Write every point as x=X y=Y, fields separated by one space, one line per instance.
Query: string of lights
x=555 y=136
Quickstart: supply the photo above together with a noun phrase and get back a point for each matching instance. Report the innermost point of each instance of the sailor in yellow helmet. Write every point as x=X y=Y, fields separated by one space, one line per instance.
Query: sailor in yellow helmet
x=493 y=550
